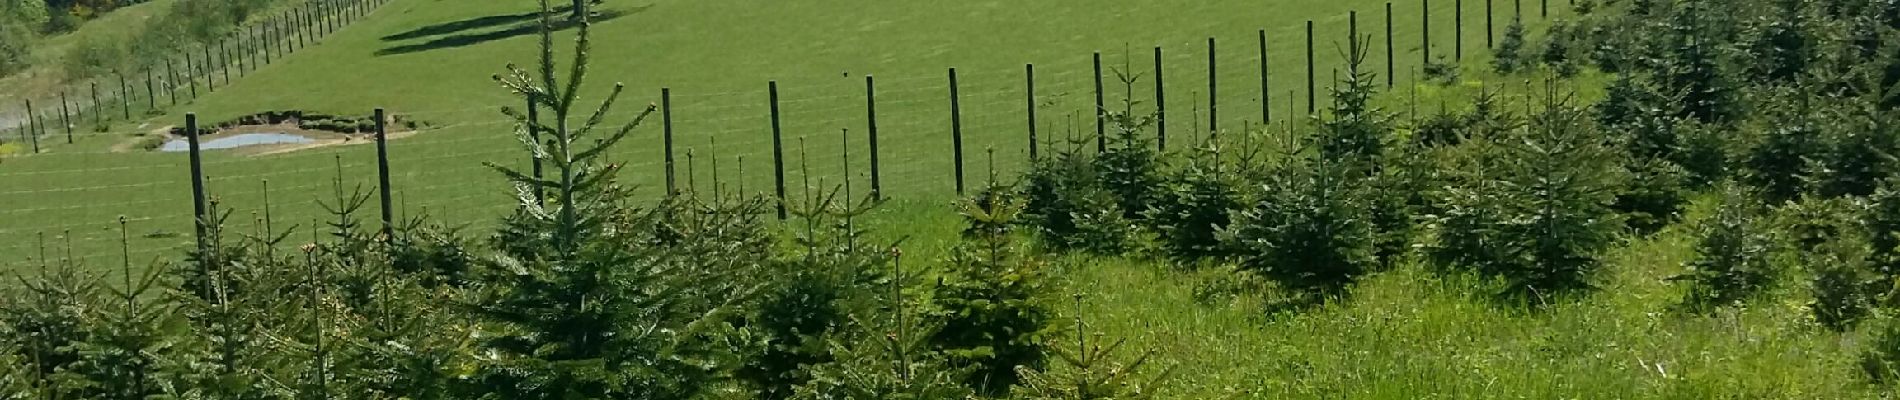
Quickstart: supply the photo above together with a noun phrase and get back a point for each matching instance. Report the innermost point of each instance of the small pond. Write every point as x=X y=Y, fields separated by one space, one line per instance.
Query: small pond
x=238 y=140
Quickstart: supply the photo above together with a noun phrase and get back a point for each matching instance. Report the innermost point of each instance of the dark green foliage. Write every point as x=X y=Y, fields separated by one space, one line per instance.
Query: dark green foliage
x=1559 y=48
x=1193 y=205
x=1733 y=255
x=1442 y=71
x=812 y=296
x=1316 y=227
x=1861 y=152
x=1705 y=153
x=1511 y=54
x=1537 y=214
x=885 y=358
x=988 y=307
x=1880 y=360
x=1781 y=49
x=436 y=255
x=1070 y=209
x=1654 y=197
x=1779 y=165
x=1131 y=168
x=1845 y=287
x=1694 y=65
x=586 y=300
x=1311 y=231
x=48 y=316
x=1882 y=219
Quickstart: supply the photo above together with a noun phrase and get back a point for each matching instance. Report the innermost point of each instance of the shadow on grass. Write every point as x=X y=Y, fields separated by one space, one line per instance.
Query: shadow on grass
x=474 y=31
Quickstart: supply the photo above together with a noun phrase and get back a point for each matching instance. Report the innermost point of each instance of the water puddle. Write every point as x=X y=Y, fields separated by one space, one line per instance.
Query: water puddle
x=235 y=141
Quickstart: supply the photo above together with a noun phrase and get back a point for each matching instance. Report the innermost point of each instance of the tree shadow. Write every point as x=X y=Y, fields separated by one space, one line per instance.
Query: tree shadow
x=473 y=31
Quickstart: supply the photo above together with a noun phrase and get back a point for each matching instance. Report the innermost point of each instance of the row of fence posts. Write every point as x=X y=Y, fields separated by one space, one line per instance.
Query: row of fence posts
x=1101 y=111
x=292 y=29
x=192 y=130
x=201 y=216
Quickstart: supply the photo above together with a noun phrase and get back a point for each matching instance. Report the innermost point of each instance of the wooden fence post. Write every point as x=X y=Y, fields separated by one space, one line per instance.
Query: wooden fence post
x=778 y=150
x=1312 y=96
x=382 y=173
x=666 y=119
x=870 y=115
x=1266 y=84
x=1029 y=95
x=198 y=216
x=65 y=117
x=956 y=127
x=1101 y=112
x=1213 y=118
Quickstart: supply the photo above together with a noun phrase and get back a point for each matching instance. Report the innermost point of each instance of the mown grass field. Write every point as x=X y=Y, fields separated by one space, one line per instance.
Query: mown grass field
x=1405 y=334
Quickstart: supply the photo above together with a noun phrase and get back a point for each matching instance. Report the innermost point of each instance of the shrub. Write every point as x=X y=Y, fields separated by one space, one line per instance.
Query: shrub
x=579 y=275
x=1861 y=152
x=1732 y=255
x=1442 y=71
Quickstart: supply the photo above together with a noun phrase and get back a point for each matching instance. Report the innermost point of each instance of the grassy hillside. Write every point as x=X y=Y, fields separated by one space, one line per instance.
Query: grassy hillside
x=432 y=61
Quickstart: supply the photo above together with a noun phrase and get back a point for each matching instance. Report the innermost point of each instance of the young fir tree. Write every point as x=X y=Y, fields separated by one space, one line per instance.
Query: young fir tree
x=1194 y=203
x=988 y=307
x=1092 y=373
x=812 y=295
x=1538 y=215
x=120 y=358
x=1882 y=220
x=1778 y=166
x=1733 y=258
x=887 y=356
x=1069 y=207
x=1317 y=228
x=1130 y=169
x=1692 y=65
x=583 y=301
x=1511 y=54
x=1781 y=49
x=50 y=316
